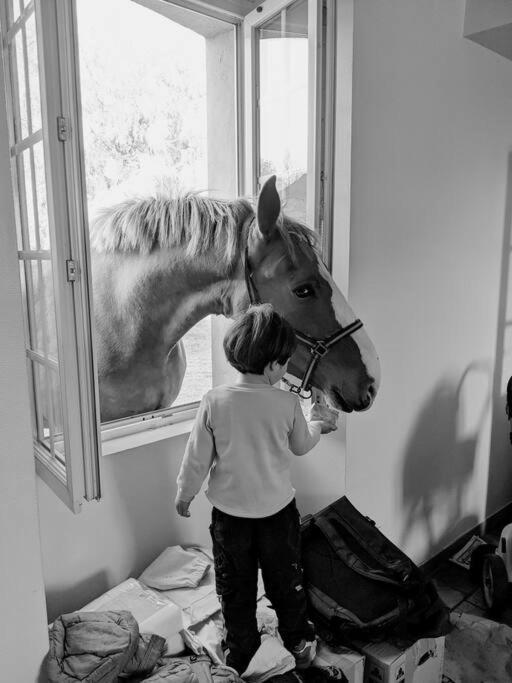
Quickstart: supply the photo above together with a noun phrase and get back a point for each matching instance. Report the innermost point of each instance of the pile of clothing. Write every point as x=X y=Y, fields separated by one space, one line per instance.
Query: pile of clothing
x=99 y=647
x=107 y=639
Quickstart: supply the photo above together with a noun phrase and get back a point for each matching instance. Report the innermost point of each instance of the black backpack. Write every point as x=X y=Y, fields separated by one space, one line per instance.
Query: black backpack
x=361 y=585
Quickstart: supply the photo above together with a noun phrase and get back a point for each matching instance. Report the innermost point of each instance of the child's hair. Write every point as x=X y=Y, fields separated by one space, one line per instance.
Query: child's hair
x=258 y=337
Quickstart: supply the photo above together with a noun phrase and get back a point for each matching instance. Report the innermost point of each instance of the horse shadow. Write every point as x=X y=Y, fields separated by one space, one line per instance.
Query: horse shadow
x=441 y=457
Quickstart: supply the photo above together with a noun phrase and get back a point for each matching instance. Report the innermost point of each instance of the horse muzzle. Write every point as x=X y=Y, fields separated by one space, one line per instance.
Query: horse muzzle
x=348 y=405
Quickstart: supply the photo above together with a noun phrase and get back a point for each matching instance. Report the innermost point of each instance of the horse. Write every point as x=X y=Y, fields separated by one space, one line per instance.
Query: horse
x=161 y=264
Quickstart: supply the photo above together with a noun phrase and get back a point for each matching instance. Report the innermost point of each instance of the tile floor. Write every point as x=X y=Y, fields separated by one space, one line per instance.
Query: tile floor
x=460 y=593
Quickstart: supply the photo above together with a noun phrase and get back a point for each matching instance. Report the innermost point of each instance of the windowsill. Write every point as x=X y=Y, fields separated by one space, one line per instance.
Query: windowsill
x=124 y=442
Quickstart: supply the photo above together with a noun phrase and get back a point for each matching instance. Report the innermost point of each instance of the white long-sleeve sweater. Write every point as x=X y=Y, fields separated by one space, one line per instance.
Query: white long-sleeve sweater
x=242 y=436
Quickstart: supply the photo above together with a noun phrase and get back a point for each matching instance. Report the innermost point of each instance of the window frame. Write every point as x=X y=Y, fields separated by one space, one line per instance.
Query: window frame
x=57 y=19
x=322 y=21
x=321 y=109
x=125 y=433
x=76 y=478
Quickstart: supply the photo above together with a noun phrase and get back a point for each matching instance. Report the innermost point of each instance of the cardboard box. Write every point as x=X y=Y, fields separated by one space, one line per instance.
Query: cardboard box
x=421 y=663
x=342 y=663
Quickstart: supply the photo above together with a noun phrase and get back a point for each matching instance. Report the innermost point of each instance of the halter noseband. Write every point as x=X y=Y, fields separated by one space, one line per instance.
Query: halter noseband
x=318 y=348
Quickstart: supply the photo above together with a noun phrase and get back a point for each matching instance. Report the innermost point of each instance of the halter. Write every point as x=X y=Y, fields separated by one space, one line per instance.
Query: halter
x=317 y=347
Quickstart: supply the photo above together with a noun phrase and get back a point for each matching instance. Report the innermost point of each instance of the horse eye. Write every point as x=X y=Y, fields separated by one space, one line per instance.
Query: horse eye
x=304 y=291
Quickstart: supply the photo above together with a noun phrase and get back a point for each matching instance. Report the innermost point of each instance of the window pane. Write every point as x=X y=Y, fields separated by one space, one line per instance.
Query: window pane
x=44 y=335
x=24 y=298
x=48 y=409
x=29 y=200
x=146 y=122
x=42 y=205
x=143 y=99
x=198 y=377
x=36 y=306
x=56 y=412
x=33 y=72
x=283 y=108
x=21 y=124
x=41 y=396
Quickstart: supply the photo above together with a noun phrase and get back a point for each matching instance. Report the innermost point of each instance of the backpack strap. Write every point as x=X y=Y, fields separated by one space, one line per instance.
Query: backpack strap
x=332 y=611
x=349 y=558
x=357 y=526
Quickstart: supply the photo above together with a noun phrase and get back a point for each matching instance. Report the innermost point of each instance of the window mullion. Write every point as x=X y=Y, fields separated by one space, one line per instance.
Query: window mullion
x=328 y=129
x=314 y=110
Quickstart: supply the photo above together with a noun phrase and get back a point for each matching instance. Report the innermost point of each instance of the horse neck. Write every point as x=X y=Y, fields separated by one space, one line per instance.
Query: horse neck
x=171 y=292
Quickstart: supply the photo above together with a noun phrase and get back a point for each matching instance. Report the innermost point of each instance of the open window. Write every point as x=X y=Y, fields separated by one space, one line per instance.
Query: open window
x=289 y=50
x=196 y=94
x=159 y=115
x=289 y=84
x=52 y=245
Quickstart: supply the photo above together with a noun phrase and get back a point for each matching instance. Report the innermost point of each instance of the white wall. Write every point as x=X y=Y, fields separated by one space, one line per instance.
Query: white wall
x=431 y=194
x=23 y=634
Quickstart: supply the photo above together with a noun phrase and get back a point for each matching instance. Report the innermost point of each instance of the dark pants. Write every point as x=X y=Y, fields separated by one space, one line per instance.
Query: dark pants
x=239 y=545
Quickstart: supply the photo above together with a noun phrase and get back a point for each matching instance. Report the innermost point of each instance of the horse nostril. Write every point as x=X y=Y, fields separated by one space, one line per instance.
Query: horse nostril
x=372 y=391
x=370 y=395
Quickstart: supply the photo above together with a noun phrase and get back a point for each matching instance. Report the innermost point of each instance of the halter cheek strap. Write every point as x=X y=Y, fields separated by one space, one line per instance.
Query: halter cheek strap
x=318 y=348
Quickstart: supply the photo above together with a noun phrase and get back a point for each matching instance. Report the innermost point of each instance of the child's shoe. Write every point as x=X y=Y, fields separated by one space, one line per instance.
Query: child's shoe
x=304 y=653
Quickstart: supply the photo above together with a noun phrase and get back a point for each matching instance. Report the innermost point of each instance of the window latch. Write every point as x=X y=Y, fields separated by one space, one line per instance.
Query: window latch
x=71 y=270
x=63 y=128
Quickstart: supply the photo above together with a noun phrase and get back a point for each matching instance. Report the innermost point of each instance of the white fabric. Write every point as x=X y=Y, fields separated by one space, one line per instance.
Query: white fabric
x=267 y=618
x=175 y=568
x=210 y=634
x=153 y=613
x=129 y=595
x=200 y=602
x=242 y=436
x=168 y=623
x=271 y=659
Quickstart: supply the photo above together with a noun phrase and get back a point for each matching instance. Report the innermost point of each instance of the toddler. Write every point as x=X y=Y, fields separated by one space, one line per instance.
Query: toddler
x=242 y=437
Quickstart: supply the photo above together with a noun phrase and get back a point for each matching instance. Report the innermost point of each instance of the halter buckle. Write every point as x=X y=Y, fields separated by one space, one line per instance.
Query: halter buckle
x=320 y=349
x=296 y=389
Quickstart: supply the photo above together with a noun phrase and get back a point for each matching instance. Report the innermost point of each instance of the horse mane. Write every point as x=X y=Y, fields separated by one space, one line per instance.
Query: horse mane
x=201 y=224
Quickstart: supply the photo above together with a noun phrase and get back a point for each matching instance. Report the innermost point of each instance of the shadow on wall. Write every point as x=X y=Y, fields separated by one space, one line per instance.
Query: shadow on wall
x=499 y=481
x=440 y=458
x=79 y=594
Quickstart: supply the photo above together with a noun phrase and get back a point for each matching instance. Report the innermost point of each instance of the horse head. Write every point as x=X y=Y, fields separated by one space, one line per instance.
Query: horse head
x=285 y=269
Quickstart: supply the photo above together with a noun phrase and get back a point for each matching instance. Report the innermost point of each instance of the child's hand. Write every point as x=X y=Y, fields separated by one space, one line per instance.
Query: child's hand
x=325 y=415
x=182 y=507
x=328 y=427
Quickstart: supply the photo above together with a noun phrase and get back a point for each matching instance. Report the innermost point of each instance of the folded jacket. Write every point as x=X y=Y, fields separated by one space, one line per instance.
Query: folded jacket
x=175 y=568
x=96 y=647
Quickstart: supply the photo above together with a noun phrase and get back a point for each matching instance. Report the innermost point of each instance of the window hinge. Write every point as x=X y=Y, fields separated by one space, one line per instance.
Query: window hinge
x=71 y=270
x=63 y=128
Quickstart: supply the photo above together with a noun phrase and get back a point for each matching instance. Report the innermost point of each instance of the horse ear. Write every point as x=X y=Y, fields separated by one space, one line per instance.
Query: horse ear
x=268 y=208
